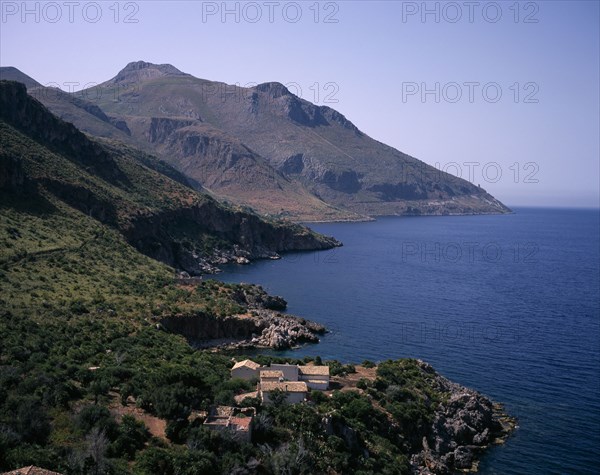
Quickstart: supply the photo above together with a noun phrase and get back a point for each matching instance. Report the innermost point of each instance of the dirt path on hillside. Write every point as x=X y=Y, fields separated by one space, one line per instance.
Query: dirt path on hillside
x=155 y=425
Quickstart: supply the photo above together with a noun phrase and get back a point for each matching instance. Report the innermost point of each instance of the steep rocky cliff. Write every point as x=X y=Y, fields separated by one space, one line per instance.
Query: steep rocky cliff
x=163 y=236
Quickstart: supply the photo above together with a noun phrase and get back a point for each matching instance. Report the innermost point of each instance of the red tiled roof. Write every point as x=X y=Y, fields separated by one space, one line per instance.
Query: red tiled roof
x=271 y=374
x=243 y=423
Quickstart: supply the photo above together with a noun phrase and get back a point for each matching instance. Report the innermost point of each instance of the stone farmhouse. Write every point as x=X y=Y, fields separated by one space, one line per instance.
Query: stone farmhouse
x=293 y=380
x=294 y=391
x=315 y=377
x=246 y=369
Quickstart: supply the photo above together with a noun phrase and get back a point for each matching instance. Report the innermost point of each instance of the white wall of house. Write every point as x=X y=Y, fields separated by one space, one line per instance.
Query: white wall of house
x=315 y=381
x=292 y=398
x=290 y=372
x=320 y=384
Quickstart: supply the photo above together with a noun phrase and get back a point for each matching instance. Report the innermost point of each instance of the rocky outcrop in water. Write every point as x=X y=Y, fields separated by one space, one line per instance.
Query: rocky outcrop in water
x=261 y=327
x=462 y=428
x=193 y=263
x=281 y=331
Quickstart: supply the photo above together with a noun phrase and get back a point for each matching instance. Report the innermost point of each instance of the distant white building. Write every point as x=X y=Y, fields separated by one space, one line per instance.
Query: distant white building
x=295 y=391
x=246 y=369
x=293 y=380
x=315 y=377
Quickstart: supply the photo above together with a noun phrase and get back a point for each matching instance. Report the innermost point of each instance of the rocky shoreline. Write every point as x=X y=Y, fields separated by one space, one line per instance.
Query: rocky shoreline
x=263 y=325
x=209 y=264
x=279 y=332
x=463 y=427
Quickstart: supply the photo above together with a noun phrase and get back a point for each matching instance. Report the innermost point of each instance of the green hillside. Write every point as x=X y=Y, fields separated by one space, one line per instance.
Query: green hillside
x=78 y=335
x=147 y=201
x=91 y=234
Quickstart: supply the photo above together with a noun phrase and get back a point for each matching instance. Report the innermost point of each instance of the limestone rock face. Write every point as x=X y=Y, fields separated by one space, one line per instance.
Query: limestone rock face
x=266 y=329
x=284 y=332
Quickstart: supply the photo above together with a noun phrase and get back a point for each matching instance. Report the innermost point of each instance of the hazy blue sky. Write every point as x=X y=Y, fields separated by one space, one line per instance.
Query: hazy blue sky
x=375 y=59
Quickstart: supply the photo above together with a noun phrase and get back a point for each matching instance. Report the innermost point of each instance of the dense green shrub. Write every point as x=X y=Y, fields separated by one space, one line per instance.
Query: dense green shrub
x=132 y=435
x=97 y=417
x=31 y=421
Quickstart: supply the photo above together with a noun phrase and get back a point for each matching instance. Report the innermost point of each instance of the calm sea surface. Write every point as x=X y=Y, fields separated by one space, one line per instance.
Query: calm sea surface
x=508 y=305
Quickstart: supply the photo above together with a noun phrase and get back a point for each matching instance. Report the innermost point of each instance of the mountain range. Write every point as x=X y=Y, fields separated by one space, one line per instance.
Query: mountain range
x=261 y=147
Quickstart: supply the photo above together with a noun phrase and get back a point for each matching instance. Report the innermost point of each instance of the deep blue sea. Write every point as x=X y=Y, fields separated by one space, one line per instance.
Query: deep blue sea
x=508 y=305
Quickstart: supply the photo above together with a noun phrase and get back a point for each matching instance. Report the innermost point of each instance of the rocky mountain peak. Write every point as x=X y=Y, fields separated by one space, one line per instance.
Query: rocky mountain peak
x=273 y=89
x=142 y=70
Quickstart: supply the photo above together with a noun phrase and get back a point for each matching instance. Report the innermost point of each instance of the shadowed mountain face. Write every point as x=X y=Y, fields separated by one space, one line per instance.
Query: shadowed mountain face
x=265 y=147
x=9 y=73
x=50 y=163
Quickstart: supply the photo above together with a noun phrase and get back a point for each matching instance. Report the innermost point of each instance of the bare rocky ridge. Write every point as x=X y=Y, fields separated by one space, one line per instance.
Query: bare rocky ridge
x=139 y=71
x=225 y=166
x=9 y=73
